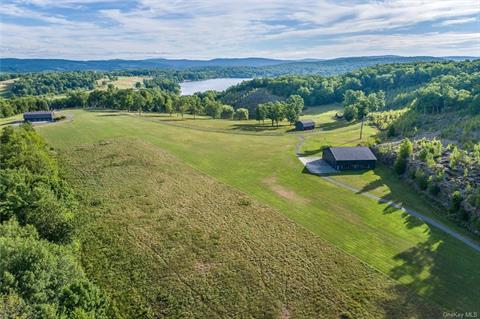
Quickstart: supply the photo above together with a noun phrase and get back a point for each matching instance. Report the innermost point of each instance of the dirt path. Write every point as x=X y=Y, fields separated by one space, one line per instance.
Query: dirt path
x=428 y=220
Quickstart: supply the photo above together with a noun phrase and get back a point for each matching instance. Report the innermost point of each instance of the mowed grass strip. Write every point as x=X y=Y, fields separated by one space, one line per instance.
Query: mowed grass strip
x=165 y=240
x=431 y=262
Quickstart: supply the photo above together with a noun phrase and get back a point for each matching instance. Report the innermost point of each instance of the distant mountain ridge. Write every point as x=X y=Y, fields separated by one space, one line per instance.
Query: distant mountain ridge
x=304 y=66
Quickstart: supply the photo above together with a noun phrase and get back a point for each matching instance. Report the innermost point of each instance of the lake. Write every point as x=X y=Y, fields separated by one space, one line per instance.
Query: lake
x=220 y=84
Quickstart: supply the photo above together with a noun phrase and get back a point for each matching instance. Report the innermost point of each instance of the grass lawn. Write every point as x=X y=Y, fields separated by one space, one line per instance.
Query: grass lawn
x=163 y=239
x=431 y=263
x=9 y=120
x=321 y=114
x=124 y=82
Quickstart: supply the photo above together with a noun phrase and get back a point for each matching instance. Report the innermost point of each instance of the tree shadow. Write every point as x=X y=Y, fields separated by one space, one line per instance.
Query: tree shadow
x=15 y=122
x=436 y=274
x=99 y=110
x=444 y=271
x=255 y=127
x=330 y=126
x=113 y=114
x=312 y=152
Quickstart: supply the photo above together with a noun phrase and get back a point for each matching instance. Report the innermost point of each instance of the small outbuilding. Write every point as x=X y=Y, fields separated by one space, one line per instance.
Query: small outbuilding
x=304 y=125
x=350 y=158
x=39 y=116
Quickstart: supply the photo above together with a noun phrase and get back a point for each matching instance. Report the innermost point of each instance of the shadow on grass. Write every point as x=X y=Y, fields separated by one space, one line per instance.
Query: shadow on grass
x=97 y=110
x=16 y=122
x=443 y=270
x=437 y=273
x=330 y=126
x=312 y=152
x=256 y=127
x=113 y=114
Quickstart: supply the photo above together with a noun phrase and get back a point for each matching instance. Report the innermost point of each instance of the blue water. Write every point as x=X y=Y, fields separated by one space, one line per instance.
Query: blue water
x=220 y=84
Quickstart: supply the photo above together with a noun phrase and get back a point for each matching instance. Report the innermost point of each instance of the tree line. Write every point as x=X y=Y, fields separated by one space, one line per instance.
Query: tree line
x=277 y=111
x=393 y=79
x=142 y=100
x=40 y=276
x=54 y=82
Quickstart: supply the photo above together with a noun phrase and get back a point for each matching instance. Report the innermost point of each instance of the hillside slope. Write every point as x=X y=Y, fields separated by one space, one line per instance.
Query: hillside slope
x=255 y=66
x=167 y=241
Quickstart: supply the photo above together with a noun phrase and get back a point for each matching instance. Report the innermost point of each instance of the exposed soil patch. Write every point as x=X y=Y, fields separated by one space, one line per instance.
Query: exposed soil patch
x=284 y=192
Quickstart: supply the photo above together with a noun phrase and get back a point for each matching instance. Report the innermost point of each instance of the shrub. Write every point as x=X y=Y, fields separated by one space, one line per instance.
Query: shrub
x=350 y=113
x=30 y=187
x=50 y=217
x=456 y=201
x=241 y=114
x=43 y=278
x=406 y=149
x=400 y=166
x=421 y=179
x=391 y=131
x=386 y=119
x=455 y=157
x=429 y=150
x=434 y=183
x=227 y=112
x=433 y=187
x=474 y=198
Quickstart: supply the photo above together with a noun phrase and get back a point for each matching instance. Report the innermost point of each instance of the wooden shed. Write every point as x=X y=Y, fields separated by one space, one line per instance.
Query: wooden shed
x=350 y=158
x=304 y=125
x=39 y=116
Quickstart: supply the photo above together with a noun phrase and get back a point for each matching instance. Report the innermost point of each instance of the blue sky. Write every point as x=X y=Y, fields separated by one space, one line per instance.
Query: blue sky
x=203 y=29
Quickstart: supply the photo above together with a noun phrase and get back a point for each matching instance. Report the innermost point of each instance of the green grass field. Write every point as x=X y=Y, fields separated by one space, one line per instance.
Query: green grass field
x=322 y=115
x=433 y=264
x=164 y=239
x=124 y=82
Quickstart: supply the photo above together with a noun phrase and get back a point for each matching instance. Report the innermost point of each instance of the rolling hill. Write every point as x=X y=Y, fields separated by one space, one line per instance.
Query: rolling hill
x=260 y=66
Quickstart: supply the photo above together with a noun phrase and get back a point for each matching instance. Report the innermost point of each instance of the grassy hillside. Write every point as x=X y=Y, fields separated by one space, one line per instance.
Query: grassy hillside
x=254 y=66
x=164 y=239
x=125 y=82
x=432 y=263
x=5 y=87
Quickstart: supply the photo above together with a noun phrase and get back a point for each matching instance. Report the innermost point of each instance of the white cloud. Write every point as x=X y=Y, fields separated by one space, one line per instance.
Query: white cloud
x=214 y=28
x=456 y=21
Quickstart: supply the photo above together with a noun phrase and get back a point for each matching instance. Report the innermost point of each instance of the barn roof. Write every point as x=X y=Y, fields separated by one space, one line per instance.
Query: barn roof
x=38 y=113
x=307 y=122
x=358 y=153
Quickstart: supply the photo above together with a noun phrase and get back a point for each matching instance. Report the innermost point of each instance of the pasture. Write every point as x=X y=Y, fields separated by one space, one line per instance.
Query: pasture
x=436 y=266
x=323 y=115
x=125 y=82
x=162 y=238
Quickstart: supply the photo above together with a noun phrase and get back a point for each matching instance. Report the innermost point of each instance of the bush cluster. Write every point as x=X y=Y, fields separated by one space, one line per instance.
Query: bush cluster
x=39 y=274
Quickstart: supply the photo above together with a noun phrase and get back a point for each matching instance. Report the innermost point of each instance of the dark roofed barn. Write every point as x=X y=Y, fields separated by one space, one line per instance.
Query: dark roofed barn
x=350 y=158
x=304 y=125
x=39 y=116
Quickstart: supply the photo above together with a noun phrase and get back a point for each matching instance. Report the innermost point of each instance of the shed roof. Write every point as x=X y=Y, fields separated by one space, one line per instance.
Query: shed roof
x=38 y=113
x=358 y=153
x=307 y=122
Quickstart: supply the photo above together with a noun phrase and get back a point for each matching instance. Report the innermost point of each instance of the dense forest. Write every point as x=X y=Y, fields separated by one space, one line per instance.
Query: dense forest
x=234 y=66
x=54 y=82
x=391 y=78
x=315 y=89
x=39 y=273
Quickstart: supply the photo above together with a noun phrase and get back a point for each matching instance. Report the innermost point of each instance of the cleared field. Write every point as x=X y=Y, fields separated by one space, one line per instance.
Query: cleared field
x=321 y=114
x=125 y=82
x=430 y=262
x=166 y=240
